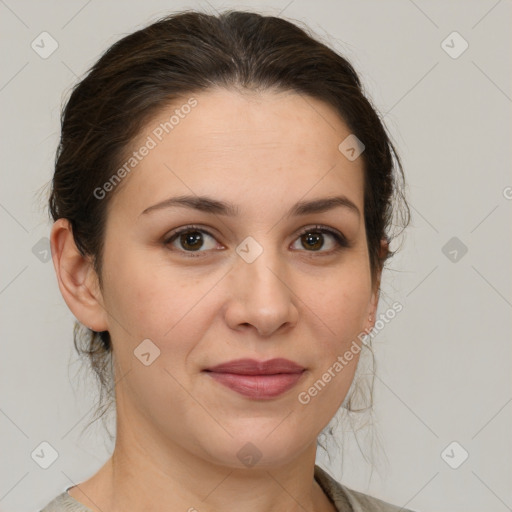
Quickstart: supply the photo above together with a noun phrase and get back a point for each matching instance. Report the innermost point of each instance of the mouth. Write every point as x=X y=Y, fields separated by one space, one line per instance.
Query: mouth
x=257 y=379
x=258 y=386
x=254 y=367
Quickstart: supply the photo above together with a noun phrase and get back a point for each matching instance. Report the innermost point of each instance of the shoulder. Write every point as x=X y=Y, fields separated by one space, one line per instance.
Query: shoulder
x=65 y=503
x=346 y=499
x=364 y=502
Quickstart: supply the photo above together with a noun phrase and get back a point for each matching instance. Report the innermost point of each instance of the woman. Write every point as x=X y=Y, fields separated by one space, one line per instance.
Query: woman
x=222 y=197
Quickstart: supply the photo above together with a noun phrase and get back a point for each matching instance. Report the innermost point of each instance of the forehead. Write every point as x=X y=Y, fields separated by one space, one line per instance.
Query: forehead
x=226 y=142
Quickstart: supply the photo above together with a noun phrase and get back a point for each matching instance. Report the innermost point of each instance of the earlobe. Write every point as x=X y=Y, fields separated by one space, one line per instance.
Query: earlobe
x=372 y=316
x=77 y=279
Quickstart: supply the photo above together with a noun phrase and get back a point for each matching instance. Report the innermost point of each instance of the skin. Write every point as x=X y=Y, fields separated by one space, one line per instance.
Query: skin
x=178 y=430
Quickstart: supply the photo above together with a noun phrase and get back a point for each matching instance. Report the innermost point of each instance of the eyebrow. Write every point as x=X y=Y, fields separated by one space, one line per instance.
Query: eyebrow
x=209 y=205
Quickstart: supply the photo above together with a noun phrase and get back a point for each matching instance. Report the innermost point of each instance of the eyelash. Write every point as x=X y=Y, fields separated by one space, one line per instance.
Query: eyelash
x=339 y=238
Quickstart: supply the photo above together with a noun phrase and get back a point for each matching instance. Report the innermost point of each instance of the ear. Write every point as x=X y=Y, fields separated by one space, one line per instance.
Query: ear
x=374 y=302
x=78 y=281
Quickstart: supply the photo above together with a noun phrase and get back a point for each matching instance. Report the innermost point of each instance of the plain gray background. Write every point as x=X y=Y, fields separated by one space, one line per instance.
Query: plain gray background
x=443 y=363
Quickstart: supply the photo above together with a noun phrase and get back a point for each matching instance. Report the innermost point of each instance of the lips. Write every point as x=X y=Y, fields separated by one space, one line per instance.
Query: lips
x=253 y=367
x=257 y=379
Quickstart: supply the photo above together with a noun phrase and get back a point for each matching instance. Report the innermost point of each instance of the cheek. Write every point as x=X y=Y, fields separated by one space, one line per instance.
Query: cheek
x=339 y=311
x=156 y=301
x=127 y=296
x=340 y=300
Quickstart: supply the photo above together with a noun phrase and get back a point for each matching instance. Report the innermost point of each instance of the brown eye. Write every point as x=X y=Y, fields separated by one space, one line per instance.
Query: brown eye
x=313 y=239
x=190 y=239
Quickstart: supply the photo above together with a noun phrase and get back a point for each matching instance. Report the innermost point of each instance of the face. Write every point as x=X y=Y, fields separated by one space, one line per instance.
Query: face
x=252 y=272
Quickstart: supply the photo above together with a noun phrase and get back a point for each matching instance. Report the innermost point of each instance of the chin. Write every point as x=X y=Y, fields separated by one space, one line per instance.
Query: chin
x=251 y=451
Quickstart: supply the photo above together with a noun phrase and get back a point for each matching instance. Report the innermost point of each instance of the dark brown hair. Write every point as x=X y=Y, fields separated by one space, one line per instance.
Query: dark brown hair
x=183 y=54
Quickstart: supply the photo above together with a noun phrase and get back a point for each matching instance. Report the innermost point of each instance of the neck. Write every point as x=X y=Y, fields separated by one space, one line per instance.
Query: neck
x=148 y=474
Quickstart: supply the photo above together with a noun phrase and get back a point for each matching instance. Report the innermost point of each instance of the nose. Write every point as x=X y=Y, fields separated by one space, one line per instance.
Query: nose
x=262 y=296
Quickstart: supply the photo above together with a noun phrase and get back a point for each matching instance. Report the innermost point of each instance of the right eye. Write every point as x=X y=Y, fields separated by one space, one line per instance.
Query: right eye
x=189 y=239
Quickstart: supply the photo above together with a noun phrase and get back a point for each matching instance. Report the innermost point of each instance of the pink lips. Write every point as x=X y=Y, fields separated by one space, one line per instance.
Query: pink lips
x=258 y=379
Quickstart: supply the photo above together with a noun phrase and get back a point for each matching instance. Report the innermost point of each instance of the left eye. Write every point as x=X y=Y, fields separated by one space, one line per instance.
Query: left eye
x=313 y=238
x=191 y=239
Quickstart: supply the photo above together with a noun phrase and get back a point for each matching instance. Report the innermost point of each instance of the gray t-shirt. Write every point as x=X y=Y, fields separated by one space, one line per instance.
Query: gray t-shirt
x=344 y=499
